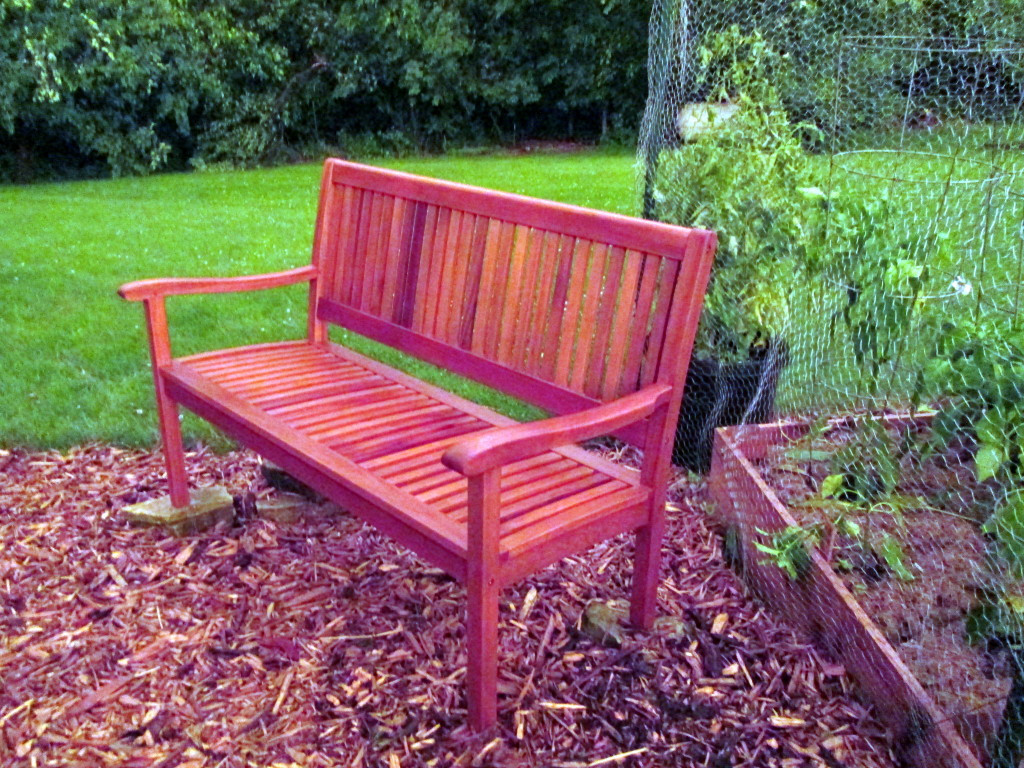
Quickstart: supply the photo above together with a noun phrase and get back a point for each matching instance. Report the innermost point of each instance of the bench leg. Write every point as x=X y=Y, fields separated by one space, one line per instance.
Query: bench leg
x=647 y=561
x=482 y=600
x=482 y=639
x=167 y=409
x=174 y=452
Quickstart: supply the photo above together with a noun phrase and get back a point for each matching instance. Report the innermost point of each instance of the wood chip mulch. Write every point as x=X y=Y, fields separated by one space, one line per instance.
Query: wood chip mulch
x=321 y=643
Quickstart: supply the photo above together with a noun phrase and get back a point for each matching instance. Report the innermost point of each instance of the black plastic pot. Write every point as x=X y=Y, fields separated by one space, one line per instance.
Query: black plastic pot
x=722 y=394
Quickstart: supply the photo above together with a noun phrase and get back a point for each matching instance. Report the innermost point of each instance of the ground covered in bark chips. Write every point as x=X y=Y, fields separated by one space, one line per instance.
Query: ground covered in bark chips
x=319 y=643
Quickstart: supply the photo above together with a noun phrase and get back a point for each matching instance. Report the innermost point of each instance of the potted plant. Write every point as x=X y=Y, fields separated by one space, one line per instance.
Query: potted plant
x=744 y=173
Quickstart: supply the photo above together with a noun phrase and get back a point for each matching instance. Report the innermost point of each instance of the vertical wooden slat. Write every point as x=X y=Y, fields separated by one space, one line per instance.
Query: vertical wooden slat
x=528 y=296
x=571 y=319
x=392 y=259
x=445 y=268
x=423 y=259
x=602 y=332
x=346 y=288
x=621 y=321
x=341 y=273
x=474 y=276
x=364 y=254
x=543 y=300
x=496 y=302
x=683 y=312
x=412 y=248
x=457 y=273
x=456 y=269
x=487 y=298
x=630 y=380
x=513 y=304
x=330 y=222
x=439 y=247
x=380 y=257
x=556 y=315
x=325 y=247
x=649 y=370
x=588 y=320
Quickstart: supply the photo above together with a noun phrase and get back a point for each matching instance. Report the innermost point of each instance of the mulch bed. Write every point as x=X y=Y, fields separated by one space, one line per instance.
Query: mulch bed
x=321 y=643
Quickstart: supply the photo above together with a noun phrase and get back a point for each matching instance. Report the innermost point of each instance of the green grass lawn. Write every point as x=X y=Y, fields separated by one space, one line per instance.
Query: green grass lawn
x=74 y=364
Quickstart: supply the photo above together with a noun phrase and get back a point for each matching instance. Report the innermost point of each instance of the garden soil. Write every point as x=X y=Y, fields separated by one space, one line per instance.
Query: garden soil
x=923 y=618
x=321 y=643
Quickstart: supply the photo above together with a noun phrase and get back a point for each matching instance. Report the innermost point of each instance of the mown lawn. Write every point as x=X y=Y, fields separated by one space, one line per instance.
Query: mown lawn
x=73 y=361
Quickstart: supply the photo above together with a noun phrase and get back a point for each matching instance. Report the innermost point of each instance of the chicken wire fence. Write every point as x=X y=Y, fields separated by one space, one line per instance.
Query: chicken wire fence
x=863 y=165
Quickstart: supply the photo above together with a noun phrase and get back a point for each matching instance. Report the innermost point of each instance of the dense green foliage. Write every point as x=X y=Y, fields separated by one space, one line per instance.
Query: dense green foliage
x=748 y=178
x=74 y=362
x=134 y=87
x=883 y=38
x=106 y=86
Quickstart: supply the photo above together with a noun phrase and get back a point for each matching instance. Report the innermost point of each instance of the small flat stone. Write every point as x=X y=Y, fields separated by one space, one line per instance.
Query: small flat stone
x=207 y=507
x=283 y=508
x=605 y=621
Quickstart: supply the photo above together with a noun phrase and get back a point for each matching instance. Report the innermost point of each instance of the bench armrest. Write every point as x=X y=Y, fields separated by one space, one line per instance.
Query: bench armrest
x=503 y=445
x=176 y=286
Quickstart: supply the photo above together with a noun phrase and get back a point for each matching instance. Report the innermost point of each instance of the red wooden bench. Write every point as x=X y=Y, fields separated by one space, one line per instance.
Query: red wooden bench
x=589 y=315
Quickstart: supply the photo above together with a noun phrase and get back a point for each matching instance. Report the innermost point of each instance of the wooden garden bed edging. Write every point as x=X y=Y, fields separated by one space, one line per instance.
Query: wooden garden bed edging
x=820 y=605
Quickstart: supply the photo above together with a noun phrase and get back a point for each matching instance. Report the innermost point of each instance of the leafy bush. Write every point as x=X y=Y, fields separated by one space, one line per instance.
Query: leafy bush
x=156 y=84
x=745 y=177
x=976 y=377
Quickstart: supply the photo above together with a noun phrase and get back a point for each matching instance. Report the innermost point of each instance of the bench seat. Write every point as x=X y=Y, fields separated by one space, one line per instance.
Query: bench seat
x=380 y=429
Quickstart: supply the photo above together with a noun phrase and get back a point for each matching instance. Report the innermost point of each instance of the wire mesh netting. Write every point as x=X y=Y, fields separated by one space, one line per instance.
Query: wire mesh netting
x=863 y=165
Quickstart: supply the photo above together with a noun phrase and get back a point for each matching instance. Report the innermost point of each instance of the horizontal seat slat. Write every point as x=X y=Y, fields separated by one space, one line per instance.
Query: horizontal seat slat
x=536 y=493
x=409 y=416
x=321 y=408
x=407 y=430
x=425 y=478
x=220 y=359
x=303 y=413
x=258 y=371
x=293 y=381
x=553 y=469
x=516 y=520
x=313 y=392
x=308 y=402
x=453 y=429
x=379 y=402
x=548 y=527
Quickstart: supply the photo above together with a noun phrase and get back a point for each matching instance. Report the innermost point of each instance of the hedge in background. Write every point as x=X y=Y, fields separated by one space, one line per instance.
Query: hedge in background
x=106 y=86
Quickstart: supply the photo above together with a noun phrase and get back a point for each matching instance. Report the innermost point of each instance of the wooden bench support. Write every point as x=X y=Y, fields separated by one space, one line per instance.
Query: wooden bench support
x=167 y=409
x=482 y=589
x=587 y=315
x=647 y=558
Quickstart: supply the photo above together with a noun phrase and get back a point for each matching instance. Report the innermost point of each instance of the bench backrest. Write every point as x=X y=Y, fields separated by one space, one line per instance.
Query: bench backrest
x=560 y=306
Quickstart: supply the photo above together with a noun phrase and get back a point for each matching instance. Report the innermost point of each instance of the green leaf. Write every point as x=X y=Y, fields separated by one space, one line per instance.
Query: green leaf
x=849 y=527
x=987 y=462
x=892 y=552
x=991 y=428
x=831 y=485
x=1000 y=617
